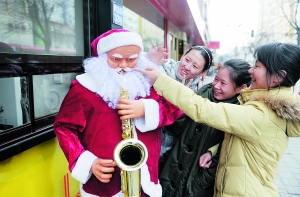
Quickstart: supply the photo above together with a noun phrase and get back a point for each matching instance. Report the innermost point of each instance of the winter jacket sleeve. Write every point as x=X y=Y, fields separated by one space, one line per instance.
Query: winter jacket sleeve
x=168 y=112
x=168 y=68
x=242 y=121
x=158 y=113
x=214 y=149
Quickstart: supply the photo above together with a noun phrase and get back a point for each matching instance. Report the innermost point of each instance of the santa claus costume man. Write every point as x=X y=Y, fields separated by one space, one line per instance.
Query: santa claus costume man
x=88 y=126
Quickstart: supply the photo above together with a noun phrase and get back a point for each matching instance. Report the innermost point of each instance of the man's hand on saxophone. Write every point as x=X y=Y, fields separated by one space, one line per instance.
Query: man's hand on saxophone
x=130 y=109
x=102 y=169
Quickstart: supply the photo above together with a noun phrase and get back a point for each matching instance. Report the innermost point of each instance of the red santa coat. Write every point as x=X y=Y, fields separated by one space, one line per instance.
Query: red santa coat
x=87 y=128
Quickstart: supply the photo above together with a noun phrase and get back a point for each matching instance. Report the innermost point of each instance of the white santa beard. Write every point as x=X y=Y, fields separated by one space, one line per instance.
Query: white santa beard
x=109 y=82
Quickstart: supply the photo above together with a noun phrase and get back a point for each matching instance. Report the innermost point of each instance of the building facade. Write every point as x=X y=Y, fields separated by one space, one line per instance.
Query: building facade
x=279 y=21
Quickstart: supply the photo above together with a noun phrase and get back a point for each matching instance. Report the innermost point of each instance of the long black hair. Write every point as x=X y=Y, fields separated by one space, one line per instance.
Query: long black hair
x=238 y=71
x=277 y=57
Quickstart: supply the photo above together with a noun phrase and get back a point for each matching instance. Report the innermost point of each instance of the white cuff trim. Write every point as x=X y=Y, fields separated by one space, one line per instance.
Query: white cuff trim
x=81 y=171
x=150 y=188
x=86 y=81
x=151 y=119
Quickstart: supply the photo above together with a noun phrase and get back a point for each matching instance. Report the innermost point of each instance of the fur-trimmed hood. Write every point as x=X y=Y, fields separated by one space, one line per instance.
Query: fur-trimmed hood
x=283 y=101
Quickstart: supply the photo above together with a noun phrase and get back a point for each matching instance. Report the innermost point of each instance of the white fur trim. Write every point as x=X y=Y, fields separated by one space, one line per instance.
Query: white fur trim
x=150 y=188
x=118 y=39
x=84 y=194
x=86 y=81
x=82 y=174
x=81 y=171
x=151 y=119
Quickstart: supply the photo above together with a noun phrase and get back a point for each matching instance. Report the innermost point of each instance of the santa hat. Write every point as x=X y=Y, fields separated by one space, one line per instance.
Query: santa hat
x=115 y=38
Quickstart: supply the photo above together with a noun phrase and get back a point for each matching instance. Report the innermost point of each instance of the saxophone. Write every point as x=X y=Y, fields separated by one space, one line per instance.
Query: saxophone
x=130 y=155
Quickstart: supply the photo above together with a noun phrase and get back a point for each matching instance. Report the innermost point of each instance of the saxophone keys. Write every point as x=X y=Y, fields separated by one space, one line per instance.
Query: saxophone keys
x=126 y=135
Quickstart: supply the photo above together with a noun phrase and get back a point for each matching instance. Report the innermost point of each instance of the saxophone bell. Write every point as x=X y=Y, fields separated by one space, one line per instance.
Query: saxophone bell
x=130 y=155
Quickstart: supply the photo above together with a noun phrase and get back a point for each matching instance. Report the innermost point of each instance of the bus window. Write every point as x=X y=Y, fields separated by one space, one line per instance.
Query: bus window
x=49 y=91
x=14 y=103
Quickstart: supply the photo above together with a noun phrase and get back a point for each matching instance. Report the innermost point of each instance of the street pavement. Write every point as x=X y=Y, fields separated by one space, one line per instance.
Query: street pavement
x=288 y=176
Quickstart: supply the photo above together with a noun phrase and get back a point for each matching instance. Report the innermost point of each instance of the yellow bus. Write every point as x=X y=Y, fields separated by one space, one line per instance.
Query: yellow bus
x=42 y=46
x=40 y=171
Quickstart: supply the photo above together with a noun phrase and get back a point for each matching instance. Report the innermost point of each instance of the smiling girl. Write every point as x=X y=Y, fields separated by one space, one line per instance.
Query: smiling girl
x=193 y=65
x=197 y=139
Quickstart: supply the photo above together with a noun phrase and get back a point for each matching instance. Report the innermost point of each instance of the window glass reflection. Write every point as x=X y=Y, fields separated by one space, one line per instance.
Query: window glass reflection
x=151 y=34
x=14 y=103
x=42 y=27
x=49 y=92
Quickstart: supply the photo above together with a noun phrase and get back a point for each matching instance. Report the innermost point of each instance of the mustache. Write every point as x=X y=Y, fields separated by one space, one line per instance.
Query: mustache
x=125 y=69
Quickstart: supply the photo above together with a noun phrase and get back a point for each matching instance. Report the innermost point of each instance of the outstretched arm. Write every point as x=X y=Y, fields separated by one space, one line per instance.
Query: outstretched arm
x=153 y=111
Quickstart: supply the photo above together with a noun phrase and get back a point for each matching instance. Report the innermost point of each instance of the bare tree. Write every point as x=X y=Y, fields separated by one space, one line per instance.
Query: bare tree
x=293 y=9
x=32 y=15
x=39 y=12
x=249 y=48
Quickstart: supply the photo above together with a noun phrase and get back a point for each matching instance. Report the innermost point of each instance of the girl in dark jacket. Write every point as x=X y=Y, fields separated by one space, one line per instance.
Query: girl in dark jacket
x=183 y=173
